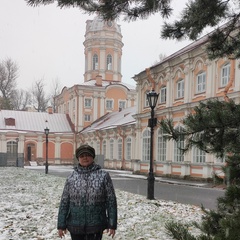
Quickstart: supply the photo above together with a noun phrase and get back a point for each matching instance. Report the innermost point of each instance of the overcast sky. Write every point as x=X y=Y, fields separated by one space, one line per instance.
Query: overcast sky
x=47 y=42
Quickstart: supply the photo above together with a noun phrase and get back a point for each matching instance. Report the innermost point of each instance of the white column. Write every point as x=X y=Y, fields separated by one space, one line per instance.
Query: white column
x=95 y=107
x=210 y=78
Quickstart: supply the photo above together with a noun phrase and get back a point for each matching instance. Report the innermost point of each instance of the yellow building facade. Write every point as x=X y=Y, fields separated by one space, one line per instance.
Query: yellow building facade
x=102 y=90
x=182 y=81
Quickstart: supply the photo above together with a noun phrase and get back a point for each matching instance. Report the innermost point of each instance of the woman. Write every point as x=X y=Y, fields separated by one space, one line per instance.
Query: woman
x=88 y=205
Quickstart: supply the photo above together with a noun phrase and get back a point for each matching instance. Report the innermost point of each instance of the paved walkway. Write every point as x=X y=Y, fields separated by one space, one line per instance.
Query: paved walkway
x=123 y=173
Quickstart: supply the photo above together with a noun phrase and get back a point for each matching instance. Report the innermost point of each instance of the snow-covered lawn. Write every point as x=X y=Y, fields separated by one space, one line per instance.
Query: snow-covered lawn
x=29 y=203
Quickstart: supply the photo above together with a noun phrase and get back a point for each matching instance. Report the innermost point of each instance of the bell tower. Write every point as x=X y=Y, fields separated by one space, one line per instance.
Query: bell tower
x=103 y=50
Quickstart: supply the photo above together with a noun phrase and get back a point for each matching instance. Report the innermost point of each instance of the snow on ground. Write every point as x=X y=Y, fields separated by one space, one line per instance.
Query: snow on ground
x=29 y=203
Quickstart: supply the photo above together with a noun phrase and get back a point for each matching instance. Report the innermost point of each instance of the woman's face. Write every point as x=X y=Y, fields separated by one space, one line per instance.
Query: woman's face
x=85 y=159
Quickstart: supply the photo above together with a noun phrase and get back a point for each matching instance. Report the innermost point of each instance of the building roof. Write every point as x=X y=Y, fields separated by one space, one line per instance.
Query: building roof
x=194 y=45
x=106 y=83
x=113 y=120
x=22 y=121
x=97 y=24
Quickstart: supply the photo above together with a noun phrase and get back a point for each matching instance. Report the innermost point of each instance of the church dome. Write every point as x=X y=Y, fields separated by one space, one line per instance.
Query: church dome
x=98 y=24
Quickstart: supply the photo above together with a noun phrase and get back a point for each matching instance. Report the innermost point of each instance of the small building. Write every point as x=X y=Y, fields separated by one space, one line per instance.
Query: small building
x=23 y=138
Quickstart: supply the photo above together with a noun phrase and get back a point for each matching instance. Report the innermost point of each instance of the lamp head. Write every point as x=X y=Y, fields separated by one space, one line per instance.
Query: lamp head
x=46 y=130
x=152 y=98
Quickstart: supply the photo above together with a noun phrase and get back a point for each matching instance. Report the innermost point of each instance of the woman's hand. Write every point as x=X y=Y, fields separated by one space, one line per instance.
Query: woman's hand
x=111 y=232
x=62 y=232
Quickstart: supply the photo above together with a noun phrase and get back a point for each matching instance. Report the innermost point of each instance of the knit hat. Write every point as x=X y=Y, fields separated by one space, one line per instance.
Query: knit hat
x=85 y=149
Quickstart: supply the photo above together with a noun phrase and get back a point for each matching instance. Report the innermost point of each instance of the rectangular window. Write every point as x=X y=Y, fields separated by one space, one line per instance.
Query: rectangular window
x=120 y=150
x=88 y=103
x=162 y=148
x=201 y=82
x=109 y=104
x=163 y=95
x=180 y=89
x=122 y=104
x=199 y=156
x=87 y=117
x=146 y=100
x=225 y=75
x=146 y=148
x=128 y=149
x=111 y=149
x=178 y=148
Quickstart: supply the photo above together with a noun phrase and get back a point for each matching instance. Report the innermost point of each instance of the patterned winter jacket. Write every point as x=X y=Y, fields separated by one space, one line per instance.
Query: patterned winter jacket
x=88 y=202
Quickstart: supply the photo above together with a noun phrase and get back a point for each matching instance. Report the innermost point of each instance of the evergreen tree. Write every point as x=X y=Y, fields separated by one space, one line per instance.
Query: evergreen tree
x=213 y=127
x=196 y=16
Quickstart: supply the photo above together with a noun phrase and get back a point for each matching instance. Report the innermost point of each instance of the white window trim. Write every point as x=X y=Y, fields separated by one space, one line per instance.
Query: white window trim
x=109 y=62
x=225 y=78
x=128 y=148
x=178 y=155
x=145 y=145
x=180 y=88
x=162 y=146
x=95 y=62
x=111 y=145
x=199 y=156
x=87 y=100
x=146 y=103
x=119 y=149
x=87 y=117
x=112 y=104
x=120 y=103
x=201 y=82
x=163 y=98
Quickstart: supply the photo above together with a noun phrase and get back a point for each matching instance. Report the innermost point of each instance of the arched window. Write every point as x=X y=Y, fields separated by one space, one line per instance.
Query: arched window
x=111 y=148
x=145 y=99
x=12 y=148
x=162 y=146
x=146 y=146
x=109 y=62
x=201 y=82
x=119 y=149
x=225 y=74
x=178 y=146
x=95 y=62
x=180 y=88
x=128 y=148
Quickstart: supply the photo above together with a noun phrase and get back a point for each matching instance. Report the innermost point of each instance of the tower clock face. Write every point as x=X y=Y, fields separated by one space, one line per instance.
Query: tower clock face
x=109 y=23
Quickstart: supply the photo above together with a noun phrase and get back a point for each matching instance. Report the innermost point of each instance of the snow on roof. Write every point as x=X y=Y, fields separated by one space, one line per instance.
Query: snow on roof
x=105 y=83
x=112 y=120
x=35 y=121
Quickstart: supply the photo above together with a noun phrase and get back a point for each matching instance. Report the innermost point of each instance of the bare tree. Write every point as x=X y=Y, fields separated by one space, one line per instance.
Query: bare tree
x=21 y=100
x=8 y=76
x=55 y=91
x=39 y=98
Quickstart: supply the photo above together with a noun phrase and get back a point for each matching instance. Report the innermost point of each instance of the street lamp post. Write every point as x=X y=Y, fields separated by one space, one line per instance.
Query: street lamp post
x=46 y=130
x=152 y=98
